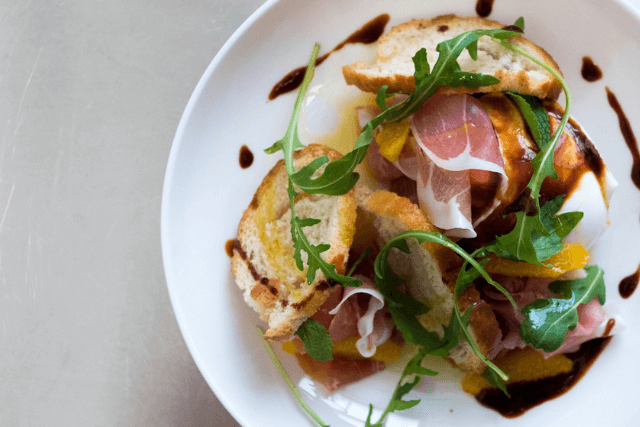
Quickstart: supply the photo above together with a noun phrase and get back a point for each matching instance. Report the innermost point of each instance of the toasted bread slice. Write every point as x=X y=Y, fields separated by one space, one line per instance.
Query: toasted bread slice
x=263 y=261
x=429 y=271
x=394 y=66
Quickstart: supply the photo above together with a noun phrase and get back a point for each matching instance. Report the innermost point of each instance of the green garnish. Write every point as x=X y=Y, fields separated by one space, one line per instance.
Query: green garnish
x=364 y=256
x=316 y=340
x=537 y=235
x=288 y=144
x=535 y=115
x=547 y=320
x=404 y=308
x=397 y=403
x=519 y=242
x=290 y=383
x=495 y=381
x=339 y=176
x=558 y=227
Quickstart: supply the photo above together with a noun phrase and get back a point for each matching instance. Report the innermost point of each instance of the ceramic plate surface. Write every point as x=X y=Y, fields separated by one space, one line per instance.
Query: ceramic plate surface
x=206 y=191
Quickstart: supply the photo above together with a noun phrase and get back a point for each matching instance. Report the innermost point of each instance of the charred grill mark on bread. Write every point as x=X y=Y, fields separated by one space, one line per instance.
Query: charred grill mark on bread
x=263 y=261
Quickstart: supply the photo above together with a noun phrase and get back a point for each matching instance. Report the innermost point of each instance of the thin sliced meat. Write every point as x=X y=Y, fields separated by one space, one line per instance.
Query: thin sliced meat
x=381 y=169
x=323 y=316
x=408 y=162
x=445 y=196
x=525 y=291
x=590 y=317
x=366 y=305
x=456 y=136
x=351 y=311
x=340 y=371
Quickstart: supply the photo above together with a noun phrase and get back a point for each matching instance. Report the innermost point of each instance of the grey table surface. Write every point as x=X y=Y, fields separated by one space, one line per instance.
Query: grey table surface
x=91 y=93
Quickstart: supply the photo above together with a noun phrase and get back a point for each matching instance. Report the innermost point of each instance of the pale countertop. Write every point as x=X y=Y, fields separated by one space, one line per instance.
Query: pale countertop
x=91 y=93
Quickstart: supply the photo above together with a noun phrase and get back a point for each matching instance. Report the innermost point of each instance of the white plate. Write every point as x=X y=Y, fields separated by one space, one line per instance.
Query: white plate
x=205 y=193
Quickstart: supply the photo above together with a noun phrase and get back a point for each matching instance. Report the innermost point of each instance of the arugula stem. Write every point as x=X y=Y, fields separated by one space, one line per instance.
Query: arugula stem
x=290 y=383
x=394 y=397
x=293 y=124
x=567 y=94
x=458 y=313
x=467 y=334
x=435 y=237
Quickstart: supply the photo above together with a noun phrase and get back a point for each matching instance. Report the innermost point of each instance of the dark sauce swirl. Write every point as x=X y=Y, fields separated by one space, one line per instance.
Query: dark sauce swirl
x=629 y=284
x=590 y=71
x=484 y=8
x=628 y=135
x=369 y=33
x=527 y=394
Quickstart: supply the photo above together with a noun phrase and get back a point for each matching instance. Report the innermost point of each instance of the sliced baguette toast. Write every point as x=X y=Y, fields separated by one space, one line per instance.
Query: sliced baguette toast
x=263 y=262
x=394 y=66
x=429 y=271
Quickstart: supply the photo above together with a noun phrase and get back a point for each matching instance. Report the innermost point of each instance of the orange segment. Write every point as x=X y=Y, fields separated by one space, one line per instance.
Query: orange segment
x=388 y=352
x=571 y=257
x=521 y=365
x=391 y=139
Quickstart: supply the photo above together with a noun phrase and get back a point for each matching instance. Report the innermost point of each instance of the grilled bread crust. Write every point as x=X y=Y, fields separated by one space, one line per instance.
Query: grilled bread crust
x=429 y=271
x=263 y=262
x=394 y=66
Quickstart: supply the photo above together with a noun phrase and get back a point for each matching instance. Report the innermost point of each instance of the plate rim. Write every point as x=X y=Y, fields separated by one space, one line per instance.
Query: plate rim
x=170 y=172
x=165 y=206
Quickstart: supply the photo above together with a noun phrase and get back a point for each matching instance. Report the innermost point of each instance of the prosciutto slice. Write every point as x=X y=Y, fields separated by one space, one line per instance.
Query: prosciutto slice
x=446 y=197
x=347 y=312
x=373 y=325
x=456 y=136
x=526 y=290
x=335 y=374
x=452 y=141
x=351 y=311
x=381 y=169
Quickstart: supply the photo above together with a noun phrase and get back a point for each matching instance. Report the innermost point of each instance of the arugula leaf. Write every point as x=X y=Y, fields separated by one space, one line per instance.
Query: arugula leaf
x=494 y=380
x=520 y=23
x=316 y=340
x=339 y=176
x=558 y=227
x=535 y=115
x=519 y=242
x=315 y=261
x=290 y=383
x=363 y=256
x=381 y=97
x=464 y=280
x=548 y=320
x=397 y=403
x=288 y=144
x=404 y=309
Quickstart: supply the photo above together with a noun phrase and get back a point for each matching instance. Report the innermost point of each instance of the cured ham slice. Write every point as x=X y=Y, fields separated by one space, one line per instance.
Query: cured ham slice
x=351 y=311
x=453 y=142
x=347 y=312
x=456 y=136
x=340 y=371
x=525 y=291
x=373 y=325
x=446 y=198
x=381 y=169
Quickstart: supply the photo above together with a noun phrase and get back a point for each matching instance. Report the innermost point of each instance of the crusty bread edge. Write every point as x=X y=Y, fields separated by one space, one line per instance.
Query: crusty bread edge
x=353 y=73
